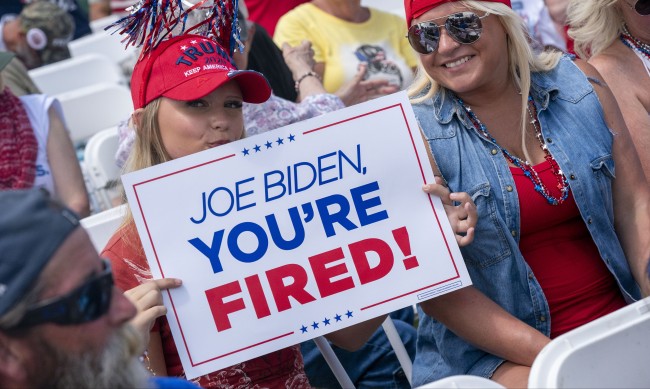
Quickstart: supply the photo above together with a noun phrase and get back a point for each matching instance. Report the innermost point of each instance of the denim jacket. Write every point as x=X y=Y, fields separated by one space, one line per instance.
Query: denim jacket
x=574 y=127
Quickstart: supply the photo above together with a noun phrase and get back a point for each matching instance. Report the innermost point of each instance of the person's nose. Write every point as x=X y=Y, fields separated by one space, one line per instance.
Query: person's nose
x=446 y=43
x=218 y=121
x=121 y=309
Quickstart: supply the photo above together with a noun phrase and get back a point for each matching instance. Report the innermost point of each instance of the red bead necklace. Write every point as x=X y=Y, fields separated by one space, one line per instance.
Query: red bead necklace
x=526 y=166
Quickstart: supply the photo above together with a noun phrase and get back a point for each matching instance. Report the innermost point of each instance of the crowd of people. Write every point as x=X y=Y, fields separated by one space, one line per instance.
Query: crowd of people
x=537 y=154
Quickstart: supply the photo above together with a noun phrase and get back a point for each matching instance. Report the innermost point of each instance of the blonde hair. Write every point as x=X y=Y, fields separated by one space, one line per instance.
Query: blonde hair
x=521 y=59
x=594 y=25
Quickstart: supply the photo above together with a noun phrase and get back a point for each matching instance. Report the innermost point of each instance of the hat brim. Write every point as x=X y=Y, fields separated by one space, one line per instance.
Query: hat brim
x=253 y=85
x=5 y=58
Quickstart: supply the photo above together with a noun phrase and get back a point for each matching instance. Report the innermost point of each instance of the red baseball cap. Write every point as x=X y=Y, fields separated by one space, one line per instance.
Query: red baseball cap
x=188 y=67
x=415 y=8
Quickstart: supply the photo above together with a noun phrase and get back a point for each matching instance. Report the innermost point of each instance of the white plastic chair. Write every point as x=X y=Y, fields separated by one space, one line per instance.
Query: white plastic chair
x=101 y=226
x=610 y=352
x=103 y=43
x=93 y=108
x=97 y=26
x=77 y=72
x=462 y=381
x=99 y=162
x=339 y=371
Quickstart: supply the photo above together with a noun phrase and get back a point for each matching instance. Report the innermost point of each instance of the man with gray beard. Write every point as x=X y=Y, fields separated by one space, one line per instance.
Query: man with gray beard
x=62 y=322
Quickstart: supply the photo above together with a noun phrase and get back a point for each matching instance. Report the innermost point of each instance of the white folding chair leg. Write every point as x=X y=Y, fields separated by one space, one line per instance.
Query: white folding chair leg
x=333 y=362
x=398 y=347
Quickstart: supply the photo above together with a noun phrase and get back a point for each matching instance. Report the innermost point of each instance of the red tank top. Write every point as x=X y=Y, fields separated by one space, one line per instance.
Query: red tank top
x=556 y=244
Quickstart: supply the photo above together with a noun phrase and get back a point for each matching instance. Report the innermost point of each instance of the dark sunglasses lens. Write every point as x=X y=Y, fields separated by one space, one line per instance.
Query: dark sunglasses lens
x=93 y=299
x=642 y=7
x=464 y=27
x=424 y=37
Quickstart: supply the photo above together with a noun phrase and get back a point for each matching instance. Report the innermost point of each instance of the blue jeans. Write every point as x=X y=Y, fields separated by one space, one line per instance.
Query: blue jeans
x=372 y=366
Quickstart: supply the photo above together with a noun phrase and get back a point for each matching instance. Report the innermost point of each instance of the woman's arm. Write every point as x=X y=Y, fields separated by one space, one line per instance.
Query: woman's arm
x=300 y=60
x=468 y=312
x=620 y=79
x=66 y=171
x=156 y=363
x=480 y=321
x=631 y=193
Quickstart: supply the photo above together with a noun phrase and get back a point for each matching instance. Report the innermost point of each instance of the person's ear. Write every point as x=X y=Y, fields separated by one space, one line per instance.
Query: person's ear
x=136 y=118
x=12 y=370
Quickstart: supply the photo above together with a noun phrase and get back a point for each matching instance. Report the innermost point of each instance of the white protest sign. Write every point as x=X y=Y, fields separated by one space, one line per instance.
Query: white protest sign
x=295 y=233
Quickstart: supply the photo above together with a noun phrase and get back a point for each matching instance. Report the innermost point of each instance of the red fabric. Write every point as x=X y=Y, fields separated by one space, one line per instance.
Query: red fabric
x=189 y=67
x=569 y=41
x=18 y=145
x=558 y=248
x=415 y=8
x=266 y=13
x=280 y=369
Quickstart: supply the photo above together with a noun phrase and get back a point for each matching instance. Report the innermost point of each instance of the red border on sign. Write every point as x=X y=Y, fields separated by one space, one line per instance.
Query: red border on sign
x=410 y=133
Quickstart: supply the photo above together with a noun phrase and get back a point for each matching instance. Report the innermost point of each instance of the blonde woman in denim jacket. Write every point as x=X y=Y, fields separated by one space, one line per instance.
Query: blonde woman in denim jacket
x=563 y=205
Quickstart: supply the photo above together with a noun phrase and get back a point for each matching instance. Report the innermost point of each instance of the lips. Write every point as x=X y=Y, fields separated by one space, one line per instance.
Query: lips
x=218 y=143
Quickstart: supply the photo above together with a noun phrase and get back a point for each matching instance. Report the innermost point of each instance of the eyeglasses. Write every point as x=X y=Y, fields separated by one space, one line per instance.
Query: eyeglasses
x=85 y=304
x=463 y=27
x=642 y=7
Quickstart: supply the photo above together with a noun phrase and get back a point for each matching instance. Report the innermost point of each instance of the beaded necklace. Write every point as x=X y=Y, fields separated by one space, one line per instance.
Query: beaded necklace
x=634 y=43
x=525 y=166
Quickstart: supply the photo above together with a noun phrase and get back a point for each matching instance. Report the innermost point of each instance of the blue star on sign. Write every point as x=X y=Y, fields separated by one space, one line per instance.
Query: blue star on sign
x=326 y=321
x=256 y=148
x=303 y=329
x=268 y=144
x=291 y=137
x=245 y=151
x=337 y=317
x=348 y=313
x=315 y=325
x=280 y=141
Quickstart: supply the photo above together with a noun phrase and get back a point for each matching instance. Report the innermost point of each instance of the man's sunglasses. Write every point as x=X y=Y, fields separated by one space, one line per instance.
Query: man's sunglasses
x=642 y=7
x=85 y=304
x=463 y=27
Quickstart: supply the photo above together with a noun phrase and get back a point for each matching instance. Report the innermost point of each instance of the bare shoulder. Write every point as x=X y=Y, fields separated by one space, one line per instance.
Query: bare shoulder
x=601 y=87
x=615 y=63
x=588 y=69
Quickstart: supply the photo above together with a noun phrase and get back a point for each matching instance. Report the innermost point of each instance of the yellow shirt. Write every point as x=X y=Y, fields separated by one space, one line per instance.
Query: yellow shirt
x=342 y=45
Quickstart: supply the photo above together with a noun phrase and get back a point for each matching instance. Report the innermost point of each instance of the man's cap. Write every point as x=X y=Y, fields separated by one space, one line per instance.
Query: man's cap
x=32 y=228
x=416 y=8
x=188 y=67
x=5 y=58
x=49 y=28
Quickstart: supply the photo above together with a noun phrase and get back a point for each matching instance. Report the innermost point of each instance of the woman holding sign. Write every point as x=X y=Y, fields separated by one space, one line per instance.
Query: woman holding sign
x=181 y=110
x=563 y=205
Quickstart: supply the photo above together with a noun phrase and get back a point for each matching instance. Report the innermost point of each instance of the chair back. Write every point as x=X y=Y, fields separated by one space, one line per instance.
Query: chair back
x=99 y=162
x=93 y=108
x=102 y=43
x=609 y=352
x=76 y=72
x=101 y=226
x=97 y=26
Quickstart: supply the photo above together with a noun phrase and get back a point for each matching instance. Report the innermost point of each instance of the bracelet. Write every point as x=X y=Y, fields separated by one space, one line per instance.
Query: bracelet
x=144 y=359
x=310 y=73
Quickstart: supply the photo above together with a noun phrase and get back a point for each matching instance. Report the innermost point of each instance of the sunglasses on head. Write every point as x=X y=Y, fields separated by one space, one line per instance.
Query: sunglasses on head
x=642 y=7
x=463 y=27
x=85 y=304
